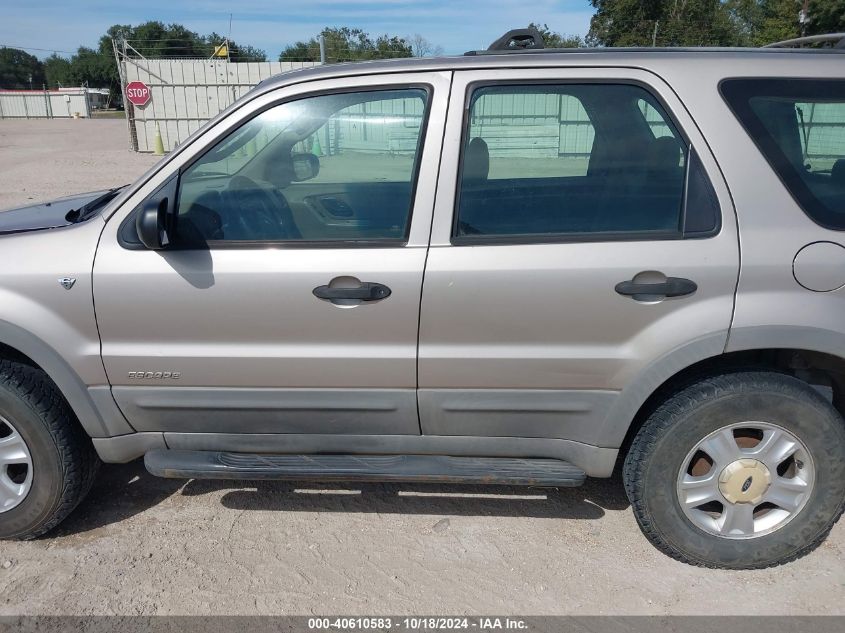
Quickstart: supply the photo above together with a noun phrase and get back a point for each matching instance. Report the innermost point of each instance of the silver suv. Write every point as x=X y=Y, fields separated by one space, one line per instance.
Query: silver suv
x=517 y=268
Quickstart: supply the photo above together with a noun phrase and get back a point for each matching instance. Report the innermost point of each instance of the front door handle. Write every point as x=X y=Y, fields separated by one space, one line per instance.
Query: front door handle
x=367 y=291
x=672 y=287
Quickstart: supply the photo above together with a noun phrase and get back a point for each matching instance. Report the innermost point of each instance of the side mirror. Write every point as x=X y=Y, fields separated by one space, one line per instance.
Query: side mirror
x=151 y=225
x=305 y=167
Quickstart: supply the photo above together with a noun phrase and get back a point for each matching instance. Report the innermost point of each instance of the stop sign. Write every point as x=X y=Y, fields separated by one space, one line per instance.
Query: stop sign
x=138 y=93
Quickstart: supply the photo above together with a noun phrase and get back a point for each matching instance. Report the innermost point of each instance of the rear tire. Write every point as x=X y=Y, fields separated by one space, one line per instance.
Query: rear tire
x=35 y=416
x=669 y=459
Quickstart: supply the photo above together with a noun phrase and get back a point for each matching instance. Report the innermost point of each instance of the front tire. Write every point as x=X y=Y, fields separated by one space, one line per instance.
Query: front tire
x=739 y=471
x=47 y=462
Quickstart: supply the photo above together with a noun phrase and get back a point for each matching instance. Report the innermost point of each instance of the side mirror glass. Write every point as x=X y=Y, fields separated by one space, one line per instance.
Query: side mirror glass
x=305 y=167
x=151 y=225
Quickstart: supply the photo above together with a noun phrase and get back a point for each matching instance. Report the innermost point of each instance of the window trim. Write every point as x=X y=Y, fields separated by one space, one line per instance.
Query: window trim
x=572 y=237
x=737 y=95
x=389 y=242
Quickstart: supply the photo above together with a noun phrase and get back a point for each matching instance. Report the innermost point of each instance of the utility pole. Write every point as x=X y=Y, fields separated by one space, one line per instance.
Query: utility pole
x=654 y=35
x=229 y=39
x=322 y=49
x=803 y=17
x=128 y=108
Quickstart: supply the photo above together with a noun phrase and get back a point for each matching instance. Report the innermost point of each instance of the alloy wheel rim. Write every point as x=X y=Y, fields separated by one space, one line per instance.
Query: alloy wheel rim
x=15 y=467
x=745 y=480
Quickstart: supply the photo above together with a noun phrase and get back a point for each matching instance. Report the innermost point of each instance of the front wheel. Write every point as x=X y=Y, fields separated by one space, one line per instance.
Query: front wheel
x=47 y=463
x=739 y=471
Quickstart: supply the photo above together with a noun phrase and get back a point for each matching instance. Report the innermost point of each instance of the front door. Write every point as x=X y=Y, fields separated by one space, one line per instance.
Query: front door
x=288 y=299
x=581 y=235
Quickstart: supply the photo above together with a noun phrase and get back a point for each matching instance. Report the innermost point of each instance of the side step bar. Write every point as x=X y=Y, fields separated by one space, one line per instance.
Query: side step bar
x=393 y=468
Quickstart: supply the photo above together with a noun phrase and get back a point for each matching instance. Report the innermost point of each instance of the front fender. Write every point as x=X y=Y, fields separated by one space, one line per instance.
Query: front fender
x=94 y=406
x=55 y=326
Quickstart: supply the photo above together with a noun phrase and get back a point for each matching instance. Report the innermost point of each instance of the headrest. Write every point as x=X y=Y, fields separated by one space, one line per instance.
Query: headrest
x=665 y=153
x=477 y=161
x=837 y=174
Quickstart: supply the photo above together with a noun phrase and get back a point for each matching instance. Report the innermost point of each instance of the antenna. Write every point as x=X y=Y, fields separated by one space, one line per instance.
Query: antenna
x=228 y=40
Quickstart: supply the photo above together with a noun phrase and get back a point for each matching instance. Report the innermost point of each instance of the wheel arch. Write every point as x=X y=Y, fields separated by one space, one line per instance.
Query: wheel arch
x=94 y=407
x=818 y=361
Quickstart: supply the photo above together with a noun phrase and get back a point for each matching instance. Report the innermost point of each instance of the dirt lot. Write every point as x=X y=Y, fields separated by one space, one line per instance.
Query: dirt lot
x=40 y=160
x=141 y=545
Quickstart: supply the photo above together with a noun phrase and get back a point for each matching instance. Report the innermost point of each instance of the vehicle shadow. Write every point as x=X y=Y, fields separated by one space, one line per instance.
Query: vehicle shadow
x=125 y=490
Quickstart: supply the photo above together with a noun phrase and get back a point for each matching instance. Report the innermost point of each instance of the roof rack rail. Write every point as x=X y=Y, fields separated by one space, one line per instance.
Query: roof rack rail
x=514 y=41
x=838 y=40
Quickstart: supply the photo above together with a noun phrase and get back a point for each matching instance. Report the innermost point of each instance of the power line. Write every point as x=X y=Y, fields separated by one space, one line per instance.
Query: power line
x=134 y=44
x=32 y=48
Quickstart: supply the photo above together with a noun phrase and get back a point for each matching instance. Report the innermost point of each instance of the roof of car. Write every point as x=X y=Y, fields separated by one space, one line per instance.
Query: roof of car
x=630 y=57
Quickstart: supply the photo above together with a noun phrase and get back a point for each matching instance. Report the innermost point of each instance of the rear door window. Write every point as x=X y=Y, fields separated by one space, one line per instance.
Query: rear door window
x=799 y=126
x=576 y=162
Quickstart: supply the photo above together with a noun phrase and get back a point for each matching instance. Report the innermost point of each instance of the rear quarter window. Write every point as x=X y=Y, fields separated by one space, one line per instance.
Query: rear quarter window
x=799 y=126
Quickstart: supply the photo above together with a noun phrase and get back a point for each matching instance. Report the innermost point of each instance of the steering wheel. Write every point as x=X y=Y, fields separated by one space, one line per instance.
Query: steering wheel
x=255 y=213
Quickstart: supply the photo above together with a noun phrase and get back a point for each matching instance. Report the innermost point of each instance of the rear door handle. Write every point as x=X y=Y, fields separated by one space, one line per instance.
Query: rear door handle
x=672 y=287
x=367 y=291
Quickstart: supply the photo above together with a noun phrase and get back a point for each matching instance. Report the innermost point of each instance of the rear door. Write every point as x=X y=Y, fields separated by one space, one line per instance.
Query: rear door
x=582 y=233
x=255 y=319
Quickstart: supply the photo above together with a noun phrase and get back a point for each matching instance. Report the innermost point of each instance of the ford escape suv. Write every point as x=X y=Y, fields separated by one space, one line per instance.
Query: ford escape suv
x=514 y=267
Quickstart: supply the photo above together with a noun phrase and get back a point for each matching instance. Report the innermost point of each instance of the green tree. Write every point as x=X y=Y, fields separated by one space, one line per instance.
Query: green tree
x=57 y=70
x=346 y=44
x=156 y=39
x=92 y=68
x=826 y=16
x=19 y=70
x=767 y=21
x=761 y=22
x=237 y=52
x=777 y=21
x=709 y=22
x=88 y=67
x=677 y=22
x=246 y=53
x=151 y=39
x=553 y=39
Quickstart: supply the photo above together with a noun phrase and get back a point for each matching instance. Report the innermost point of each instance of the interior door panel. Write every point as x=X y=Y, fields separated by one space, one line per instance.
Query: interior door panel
x=347 y=211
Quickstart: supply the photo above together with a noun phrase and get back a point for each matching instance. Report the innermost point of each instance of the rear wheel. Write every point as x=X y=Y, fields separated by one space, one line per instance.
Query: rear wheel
x=47 y=462
x=744 y=470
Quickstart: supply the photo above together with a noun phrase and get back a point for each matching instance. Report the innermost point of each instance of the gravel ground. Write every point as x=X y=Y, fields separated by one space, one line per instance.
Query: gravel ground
x=141 y=545
x=44 y=159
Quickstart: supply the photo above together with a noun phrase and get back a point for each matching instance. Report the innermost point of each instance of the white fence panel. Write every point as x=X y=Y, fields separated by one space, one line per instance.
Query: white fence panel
x=187 y=93
x=43 y=104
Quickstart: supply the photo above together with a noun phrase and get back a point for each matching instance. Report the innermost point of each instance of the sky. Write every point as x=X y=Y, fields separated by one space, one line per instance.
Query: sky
x=457 y=26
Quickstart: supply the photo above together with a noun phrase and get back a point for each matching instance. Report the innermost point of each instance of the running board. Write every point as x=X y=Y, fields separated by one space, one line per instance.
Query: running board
x=181 y=464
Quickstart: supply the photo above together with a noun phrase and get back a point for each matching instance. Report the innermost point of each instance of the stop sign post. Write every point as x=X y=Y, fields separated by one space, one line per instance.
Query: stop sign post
x=138 y=93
